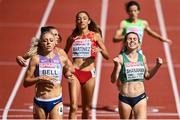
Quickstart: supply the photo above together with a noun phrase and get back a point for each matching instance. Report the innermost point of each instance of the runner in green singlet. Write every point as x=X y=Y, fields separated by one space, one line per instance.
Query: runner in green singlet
x=134 y=24
x=130 y=70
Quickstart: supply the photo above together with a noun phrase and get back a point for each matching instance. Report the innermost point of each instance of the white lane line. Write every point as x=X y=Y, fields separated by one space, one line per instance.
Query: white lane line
x=168 y=55
x=23 y=70
x=104 y=11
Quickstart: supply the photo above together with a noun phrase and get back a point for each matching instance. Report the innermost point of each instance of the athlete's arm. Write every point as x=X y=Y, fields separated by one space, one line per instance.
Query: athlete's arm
x=118 y=34
x=68 y=44
x=154 y=34
x=149 y=73
x=117 y=68
x=101 y=45
x=21 y=61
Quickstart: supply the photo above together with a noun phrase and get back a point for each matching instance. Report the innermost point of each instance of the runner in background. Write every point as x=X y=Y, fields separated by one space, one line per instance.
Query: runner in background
x=135 y=24
x=130 y=70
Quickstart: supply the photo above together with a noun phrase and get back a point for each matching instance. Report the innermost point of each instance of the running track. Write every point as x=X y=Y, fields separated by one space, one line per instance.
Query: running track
x=20 y=20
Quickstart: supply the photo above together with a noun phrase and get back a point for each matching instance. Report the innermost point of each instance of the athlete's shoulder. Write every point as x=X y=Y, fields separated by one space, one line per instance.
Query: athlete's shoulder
x=97 y=36
x=60 y=51
x=145 y=22
x=125 y=21
x=35 y=59
x=36 y=56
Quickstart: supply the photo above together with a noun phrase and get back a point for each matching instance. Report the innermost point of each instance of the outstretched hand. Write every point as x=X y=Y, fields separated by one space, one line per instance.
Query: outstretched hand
x=96 y=49
x=168 y=41
x=21 y=61
x=159 y=61
x=69 y=76
x=116 y=60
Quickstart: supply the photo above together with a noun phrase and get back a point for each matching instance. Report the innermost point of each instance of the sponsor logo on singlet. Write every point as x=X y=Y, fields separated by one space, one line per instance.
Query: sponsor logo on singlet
x=81 y=48
x=134 y=70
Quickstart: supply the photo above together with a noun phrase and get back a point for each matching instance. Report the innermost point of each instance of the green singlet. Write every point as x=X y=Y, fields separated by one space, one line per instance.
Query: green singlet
x=132 y=71
x=137 y=27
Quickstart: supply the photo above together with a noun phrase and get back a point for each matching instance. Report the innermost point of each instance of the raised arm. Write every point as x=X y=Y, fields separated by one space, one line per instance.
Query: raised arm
x=118 y=37
x=117 y=67
x=149 y=73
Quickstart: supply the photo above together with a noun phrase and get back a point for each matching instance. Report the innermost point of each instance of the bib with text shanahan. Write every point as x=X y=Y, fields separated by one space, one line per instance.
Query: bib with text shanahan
x=134 y=70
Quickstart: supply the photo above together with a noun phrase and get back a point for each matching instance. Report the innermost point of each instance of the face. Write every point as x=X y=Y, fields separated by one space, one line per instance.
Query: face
x=133 y=12
x=56 y=35
x=132 y=41
x=82 y=20
x=48 y=42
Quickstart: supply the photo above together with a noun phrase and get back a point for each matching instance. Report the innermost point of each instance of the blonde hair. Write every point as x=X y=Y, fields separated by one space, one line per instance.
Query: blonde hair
x=34 y=47
x=33 y=50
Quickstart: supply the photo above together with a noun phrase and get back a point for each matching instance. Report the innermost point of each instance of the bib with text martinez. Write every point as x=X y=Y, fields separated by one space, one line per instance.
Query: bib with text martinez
x=81 y=48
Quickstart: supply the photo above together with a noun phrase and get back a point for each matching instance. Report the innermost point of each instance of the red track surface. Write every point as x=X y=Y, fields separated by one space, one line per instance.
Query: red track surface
x=19 y=21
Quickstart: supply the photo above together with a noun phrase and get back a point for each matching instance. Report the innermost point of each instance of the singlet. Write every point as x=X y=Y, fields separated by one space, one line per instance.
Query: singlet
x=50 y=67
x=82 y=47
x=137 y=27
x=132 y=71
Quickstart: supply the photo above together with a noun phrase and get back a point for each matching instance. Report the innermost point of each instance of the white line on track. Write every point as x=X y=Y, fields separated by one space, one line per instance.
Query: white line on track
x=104 y=10
x=23 y=70
x=168 y=55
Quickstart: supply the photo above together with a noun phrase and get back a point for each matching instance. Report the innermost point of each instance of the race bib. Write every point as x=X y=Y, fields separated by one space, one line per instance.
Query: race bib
x=81 y=48
x=134 y=70
x=50 y=69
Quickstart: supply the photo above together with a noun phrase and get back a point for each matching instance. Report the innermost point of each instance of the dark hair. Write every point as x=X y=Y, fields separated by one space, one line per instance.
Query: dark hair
x=48 y=28
x=92 y=26
x=131 y=3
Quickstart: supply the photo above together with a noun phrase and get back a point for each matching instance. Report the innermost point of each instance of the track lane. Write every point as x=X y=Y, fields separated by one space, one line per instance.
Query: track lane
x=172 y=19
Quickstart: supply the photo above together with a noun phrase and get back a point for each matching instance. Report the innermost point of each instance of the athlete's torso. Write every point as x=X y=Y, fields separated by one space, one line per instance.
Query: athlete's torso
x=49 y=67
x=131 y=77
